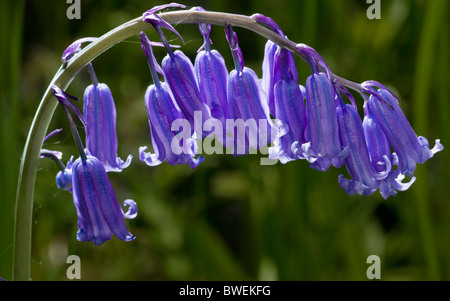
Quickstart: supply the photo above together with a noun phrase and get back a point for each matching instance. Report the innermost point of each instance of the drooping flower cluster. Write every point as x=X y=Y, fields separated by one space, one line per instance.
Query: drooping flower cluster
x=188 y=102
x=99 y=213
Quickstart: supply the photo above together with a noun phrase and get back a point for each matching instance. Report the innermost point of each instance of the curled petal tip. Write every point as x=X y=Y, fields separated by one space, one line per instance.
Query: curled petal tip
x=119 y=165
x=195 y=162
x=149 y=158
x=132 y=210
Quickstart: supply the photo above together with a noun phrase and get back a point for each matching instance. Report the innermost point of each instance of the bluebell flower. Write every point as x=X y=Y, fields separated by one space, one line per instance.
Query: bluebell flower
x=64 y=177
x=322 y=147
x=381 y=157
x=271 y=71
x=99 y=112
x=268 y=76
x=289 y=110
x=364 y=178
x=179 y=73
x=410 y=148
x=212 y=73
x=99 y=213
x=163 y=115
x=247 y=103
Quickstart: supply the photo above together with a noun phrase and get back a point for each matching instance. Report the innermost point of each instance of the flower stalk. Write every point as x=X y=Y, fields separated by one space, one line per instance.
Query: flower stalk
x=63 y=78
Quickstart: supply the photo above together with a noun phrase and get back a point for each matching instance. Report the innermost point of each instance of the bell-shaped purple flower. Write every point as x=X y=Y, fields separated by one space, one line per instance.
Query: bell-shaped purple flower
x=174 y=147
x=211 y=72
x=268 y=76
x=322 y=134
x=64 y=177
x=99 y=213
x=289 y=110
x=409 y=148
x=99 y=112
x=246 y=103
x=364 y=178
x=271 y=71
x=322 y=147
x=381 y=157
x=180 y=75
x=165 y=119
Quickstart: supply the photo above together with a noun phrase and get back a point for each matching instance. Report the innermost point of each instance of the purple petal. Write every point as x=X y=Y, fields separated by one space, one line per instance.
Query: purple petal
x=278 y=64
x=290 y=111
x=132 y=211
x=212 y=81
x=358 y=161
x=180 y=75
x=52 y=133
x=163 y=114
x=64 y=178
x=245 y=92
x=376 y=141
x=150 y=16
x=402 y=138
x=65 y=98
x=101 y=137
x=268 y=81
x=99 y=214
x=322 y=134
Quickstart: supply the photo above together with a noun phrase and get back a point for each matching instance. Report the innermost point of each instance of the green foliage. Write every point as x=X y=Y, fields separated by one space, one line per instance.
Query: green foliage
x=231 y=218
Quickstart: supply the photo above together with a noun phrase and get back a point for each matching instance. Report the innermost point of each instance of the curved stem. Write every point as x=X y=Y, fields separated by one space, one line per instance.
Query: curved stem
x=92 y=74
x=65 y=75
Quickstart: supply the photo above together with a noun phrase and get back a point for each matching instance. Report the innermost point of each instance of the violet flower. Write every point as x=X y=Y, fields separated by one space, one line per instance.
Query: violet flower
x=322 y=134
x=271 y=71
x=246 y=103
x=381 y=157
x=99 y=111
x=289 y=109
x=179 y=73
x=163 y=115
x=410 y=148
x=99 y=213
x=212 y=74
x=64 y=177
x=358 y=164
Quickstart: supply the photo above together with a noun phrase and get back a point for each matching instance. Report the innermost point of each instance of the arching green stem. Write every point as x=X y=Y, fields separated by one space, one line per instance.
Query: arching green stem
x=64 y=76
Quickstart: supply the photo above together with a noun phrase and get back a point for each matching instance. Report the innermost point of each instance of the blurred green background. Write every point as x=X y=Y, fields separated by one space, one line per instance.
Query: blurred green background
x=231 y=218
